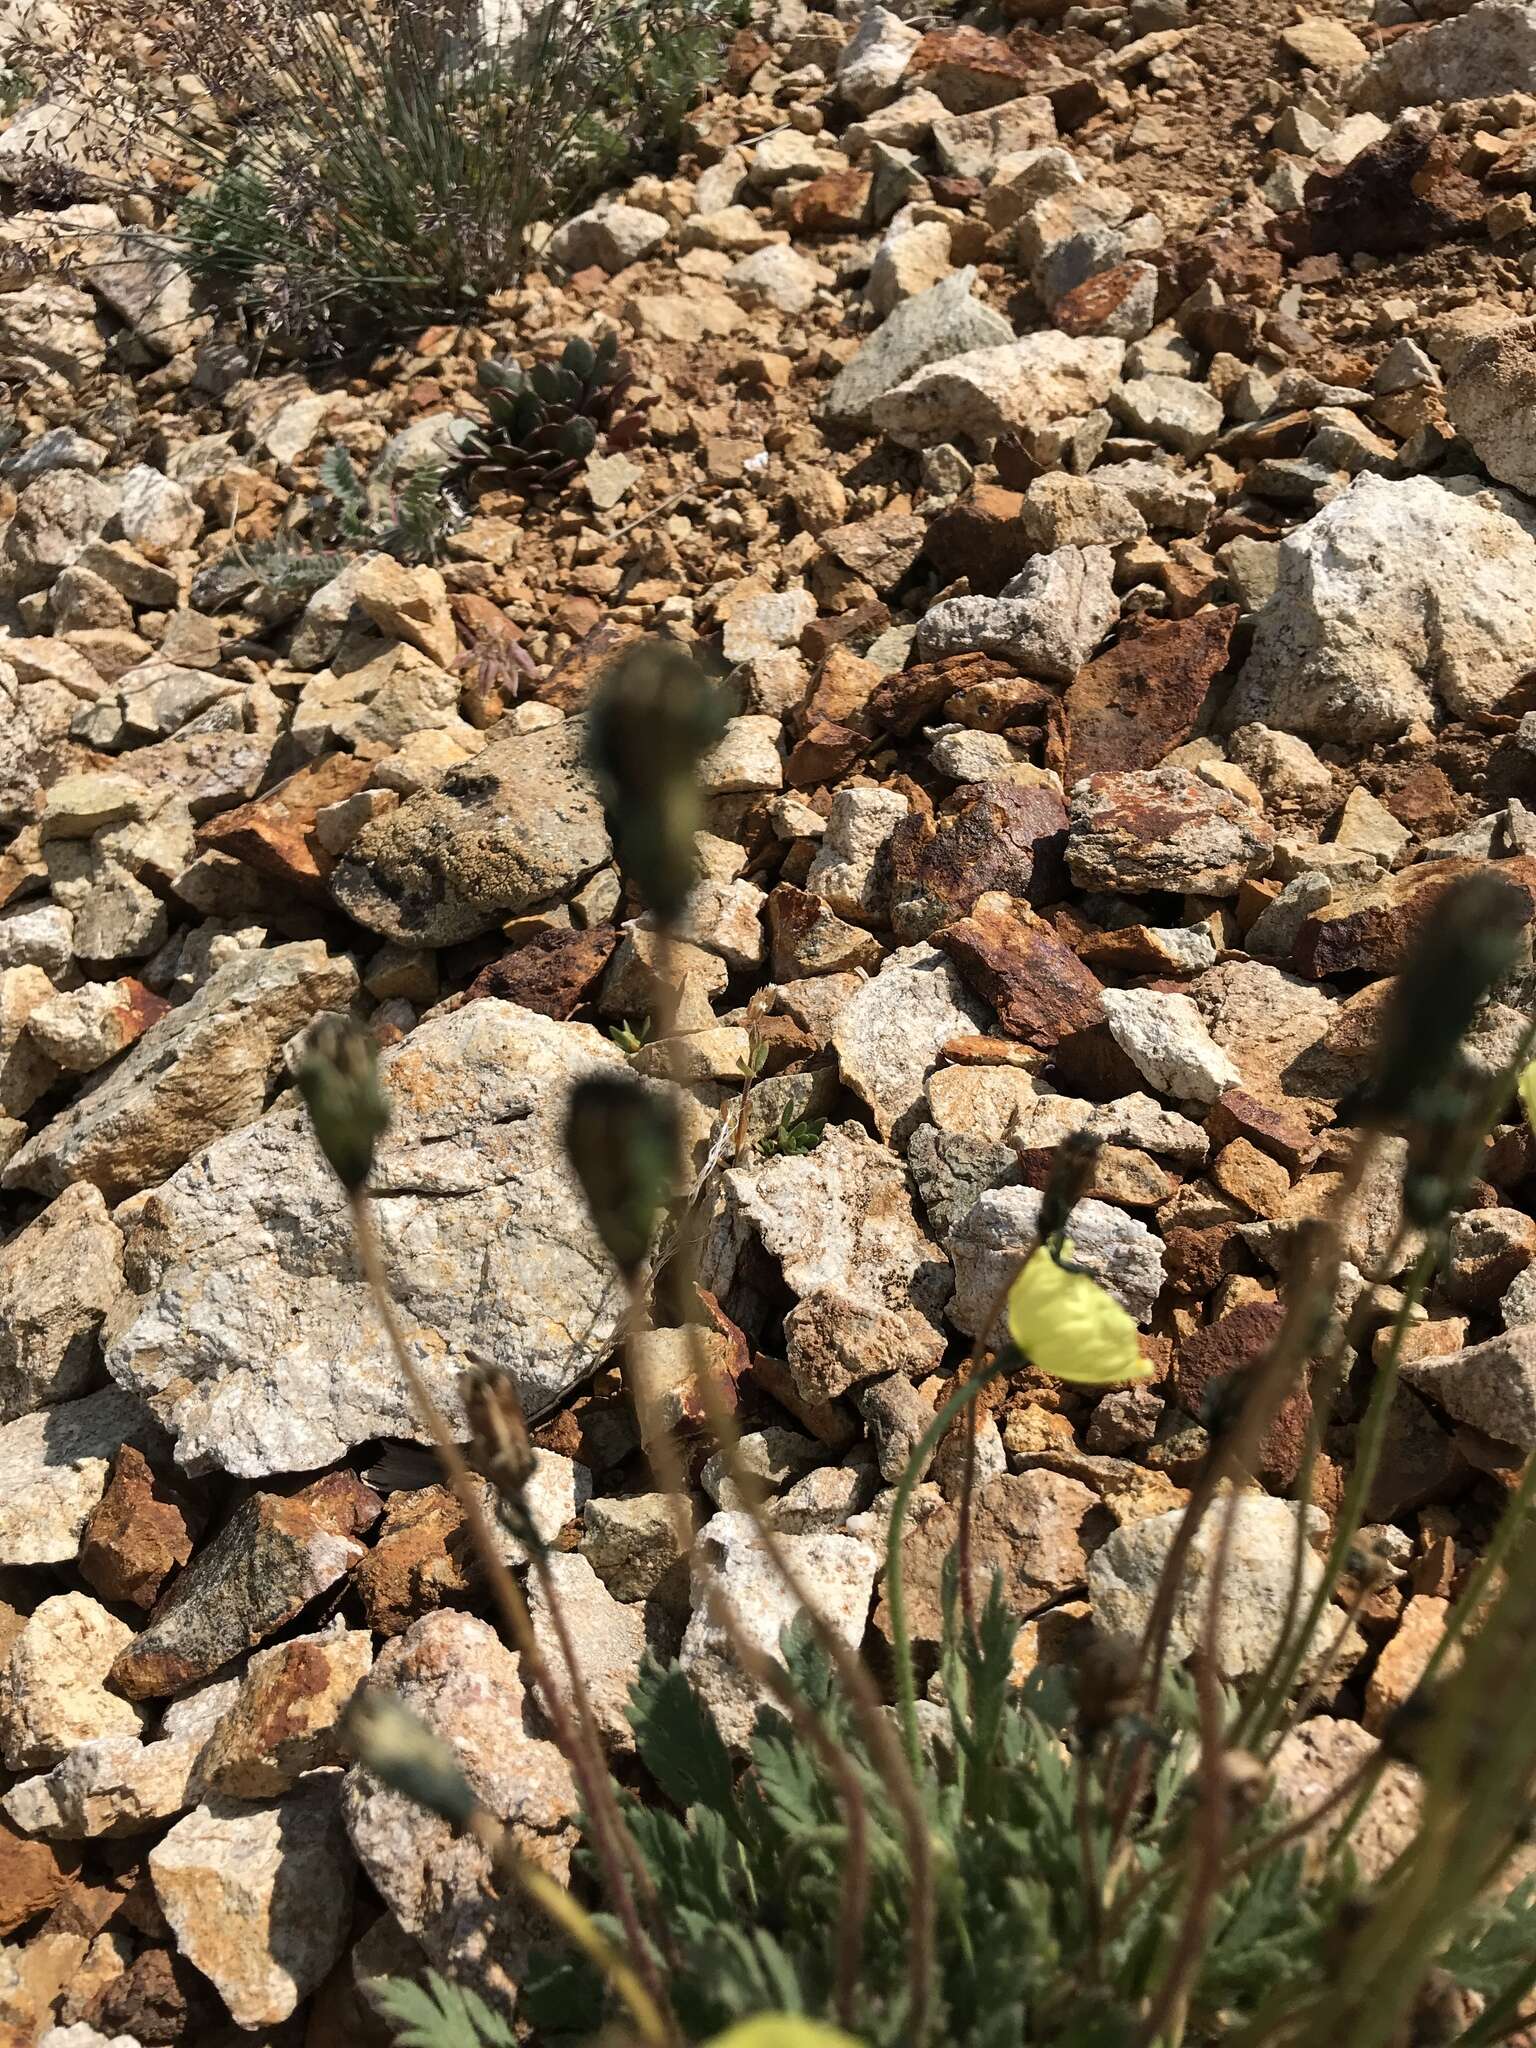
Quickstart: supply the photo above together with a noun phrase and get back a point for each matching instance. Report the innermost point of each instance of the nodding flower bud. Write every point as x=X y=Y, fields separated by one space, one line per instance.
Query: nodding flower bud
x=339 y=1081
x=1469 y=944
x=624 y=1143
x=405 y=1754
x=653 y=718
x=1070 y=1177
x=499 y=1445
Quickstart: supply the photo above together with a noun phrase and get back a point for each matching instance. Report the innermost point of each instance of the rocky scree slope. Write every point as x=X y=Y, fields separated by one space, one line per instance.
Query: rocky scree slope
x=1097 y=442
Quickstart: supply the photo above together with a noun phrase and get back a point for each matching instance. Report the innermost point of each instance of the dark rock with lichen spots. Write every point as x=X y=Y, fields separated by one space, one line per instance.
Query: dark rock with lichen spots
x=272 y=1557
x=518 y=825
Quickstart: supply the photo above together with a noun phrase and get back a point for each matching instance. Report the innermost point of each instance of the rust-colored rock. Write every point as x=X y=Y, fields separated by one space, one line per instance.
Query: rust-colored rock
x=421 y=1562
x=908 y=699
x=826 y=752
x=554 y=973
x=841 y=689
x=1014 y=961
x=992 y=836
x=981 y=536
x=1091 y=307
x=806 y=937
x=275 y=832
x=158 y=2000
x=286 y=1719
x=968 y=70
x=1236 y=1343
x=1399 y=195
x=1037 y=1528
x=1196 y=1256
x=833 y=205
x=1286 y=1137
x=1370 y=930
x=140 y=1531
x=1133 y=704
x=33 y=1876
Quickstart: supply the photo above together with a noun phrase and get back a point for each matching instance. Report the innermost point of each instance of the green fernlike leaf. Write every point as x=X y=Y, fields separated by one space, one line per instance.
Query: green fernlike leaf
x=441 y=2015
x=679 y=1743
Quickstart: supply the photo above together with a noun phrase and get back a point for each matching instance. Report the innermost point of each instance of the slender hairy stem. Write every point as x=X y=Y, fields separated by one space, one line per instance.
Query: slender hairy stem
x=602 y=1807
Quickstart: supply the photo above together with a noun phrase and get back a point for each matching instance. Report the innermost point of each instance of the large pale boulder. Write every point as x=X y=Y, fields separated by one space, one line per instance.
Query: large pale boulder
x=1399 y=598
x=249 y=1327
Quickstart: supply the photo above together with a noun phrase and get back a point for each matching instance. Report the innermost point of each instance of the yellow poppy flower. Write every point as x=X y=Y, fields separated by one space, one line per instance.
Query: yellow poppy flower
x=1068 y=1326
x=782 y=2030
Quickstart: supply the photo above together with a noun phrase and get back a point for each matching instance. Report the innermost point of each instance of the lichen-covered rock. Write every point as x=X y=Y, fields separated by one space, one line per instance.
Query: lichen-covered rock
x=250 y=1329
x=518 y=824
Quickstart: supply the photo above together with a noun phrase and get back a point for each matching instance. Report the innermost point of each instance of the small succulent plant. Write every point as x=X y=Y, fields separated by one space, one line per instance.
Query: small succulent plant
x=544 y=422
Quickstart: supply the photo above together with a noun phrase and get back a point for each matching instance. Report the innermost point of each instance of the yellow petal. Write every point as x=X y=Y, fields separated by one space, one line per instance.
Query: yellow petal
x=1068 y=1326
x=1528 y=1092
x=782 y=2030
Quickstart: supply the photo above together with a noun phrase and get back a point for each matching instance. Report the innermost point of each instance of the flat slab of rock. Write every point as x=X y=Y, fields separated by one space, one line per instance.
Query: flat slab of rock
x=259 y=1898
x=203 y=1070
x=249 y=1327
x=517 y=825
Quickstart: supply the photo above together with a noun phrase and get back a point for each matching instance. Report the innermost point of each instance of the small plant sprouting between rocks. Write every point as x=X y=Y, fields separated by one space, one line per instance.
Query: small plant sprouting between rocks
x=341 y=173
x=1100 y=1856
x=543 y=422
x=405 y=512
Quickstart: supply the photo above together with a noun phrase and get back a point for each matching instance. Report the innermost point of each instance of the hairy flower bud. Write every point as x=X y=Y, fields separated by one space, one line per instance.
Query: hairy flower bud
x=623 y=1141
x=407 y=1756
x=654 y=717
x=339 y=1081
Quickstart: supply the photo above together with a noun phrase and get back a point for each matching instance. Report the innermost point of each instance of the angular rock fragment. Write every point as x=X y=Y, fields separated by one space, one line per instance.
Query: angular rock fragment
x=838 y=1573
x=452 y=1673
x=1123 y=1579
x=286 y=1718
x=1000 y=1226
x=1135 y=703
x=201 y=1071
x=58 y=1278
x=1491 y=1386
x=1013 y=960
x=259 y=1898
x=992 y=835
x=272 y=1557
x=54 y=1468
x=55 y=1688
x=891 y=1035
